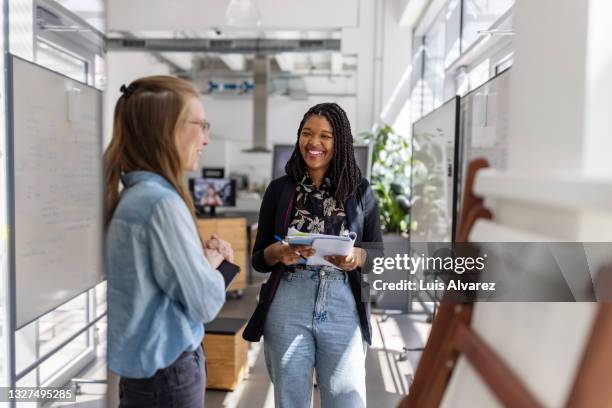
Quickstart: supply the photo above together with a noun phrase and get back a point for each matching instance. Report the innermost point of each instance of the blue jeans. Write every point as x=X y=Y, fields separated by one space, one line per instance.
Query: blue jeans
x=181 y=385
x=313 y=323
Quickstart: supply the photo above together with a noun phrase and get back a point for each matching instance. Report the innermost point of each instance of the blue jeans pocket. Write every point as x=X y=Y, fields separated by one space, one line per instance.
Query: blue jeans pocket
x=184 y=372
x=134 y=394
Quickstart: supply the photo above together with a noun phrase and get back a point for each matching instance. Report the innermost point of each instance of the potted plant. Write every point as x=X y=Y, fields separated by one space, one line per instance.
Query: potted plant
x=390 y=181
x=390 y=178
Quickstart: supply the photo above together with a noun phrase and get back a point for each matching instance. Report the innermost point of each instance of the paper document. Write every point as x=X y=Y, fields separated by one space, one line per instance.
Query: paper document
x=324 y=245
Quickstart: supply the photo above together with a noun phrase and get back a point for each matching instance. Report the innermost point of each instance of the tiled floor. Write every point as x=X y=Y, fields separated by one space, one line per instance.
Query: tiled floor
x=387 y=380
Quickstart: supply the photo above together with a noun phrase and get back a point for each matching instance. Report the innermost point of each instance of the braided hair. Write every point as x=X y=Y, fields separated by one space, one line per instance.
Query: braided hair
x=343 y=172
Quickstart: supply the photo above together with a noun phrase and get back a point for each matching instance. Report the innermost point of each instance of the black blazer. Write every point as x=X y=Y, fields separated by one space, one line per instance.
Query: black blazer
x=362 y=217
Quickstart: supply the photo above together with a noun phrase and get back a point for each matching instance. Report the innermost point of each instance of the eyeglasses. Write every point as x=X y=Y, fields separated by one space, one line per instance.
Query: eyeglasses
x=204 y=124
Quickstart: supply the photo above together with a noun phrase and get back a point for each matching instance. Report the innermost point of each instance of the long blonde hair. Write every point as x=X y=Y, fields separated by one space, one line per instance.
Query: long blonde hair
x=146 y=120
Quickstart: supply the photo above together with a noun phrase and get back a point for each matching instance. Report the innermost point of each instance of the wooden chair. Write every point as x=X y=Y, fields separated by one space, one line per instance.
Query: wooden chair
x=440 y=354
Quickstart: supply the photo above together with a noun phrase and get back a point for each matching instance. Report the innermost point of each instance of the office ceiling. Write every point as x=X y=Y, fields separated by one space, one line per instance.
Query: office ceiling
x=302 y=64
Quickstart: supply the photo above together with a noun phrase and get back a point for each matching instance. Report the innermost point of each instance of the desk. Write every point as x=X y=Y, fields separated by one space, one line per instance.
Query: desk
x=232 y=229
x=226 y=353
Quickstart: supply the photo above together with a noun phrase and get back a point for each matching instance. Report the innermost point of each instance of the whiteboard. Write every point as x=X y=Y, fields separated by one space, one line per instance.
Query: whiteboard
x=434 y=144
x=541 y=342
x=484 y=117
x=56 y=182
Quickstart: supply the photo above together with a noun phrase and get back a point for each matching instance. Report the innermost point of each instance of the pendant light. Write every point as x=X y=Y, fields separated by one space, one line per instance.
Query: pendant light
x=242 y=13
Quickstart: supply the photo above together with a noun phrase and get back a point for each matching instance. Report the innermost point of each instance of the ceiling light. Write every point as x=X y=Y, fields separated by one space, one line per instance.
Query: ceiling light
x=242 y=13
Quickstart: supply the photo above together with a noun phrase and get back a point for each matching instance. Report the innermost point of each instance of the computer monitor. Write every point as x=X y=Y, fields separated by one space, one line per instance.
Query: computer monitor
x=213 y=172
x=435 y=164
x=282 y=154
x=212 y=192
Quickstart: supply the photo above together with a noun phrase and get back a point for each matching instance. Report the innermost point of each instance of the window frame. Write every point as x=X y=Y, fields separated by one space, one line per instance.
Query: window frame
x=84 y=46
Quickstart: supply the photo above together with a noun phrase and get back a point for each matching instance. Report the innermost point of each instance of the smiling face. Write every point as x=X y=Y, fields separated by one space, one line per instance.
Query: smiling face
x=317 y=145
x=191 y=137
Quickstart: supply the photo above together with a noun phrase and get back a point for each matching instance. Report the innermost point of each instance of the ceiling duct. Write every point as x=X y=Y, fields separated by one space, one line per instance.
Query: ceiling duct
x=224 y=46
x=261 y=72
x=242 y=85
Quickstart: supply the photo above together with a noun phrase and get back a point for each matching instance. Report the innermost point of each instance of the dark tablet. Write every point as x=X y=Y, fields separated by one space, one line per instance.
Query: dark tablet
x=229 y=272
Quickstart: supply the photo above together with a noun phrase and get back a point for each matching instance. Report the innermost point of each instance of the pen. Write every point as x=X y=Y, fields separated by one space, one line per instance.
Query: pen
x=282 y=241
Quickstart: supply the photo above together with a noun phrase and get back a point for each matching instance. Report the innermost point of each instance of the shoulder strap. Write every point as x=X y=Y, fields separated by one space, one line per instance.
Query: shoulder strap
x=360 y=193
x=288 y=211
x=285 y=199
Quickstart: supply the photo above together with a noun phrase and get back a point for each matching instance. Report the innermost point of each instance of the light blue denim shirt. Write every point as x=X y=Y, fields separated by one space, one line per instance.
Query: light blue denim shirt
x=161 y=288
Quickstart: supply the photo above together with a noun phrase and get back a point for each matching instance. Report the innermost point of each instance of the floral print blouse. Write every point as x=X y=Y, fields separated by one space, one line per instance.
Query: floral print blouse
x=316 y=210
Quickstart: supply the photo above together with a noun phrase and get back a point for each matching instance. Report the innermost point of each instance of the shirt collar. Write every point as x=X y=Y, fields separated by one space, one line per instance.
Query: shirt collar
x=325 y=185
x=135 y=177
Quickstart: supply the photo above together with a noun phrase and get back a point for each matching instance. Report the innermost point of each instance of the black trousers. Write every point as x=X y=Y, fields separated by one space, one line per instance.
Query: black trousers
x=182 y=384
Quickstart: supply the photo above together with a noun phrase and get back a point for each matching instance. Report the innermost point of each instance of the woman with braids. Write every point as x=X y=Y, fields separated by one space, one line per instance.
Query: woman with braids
x=316 y=317
x=162 y=280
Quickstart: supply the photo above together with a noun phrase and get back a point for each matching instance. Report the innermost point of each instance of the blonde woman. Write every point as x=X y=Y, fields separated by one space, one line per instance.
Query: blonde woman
x=162 y=280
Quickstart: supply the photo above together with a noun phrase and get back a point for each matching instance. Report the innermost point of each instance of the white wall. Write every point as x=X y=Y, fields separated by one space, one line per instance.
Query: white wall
x=360 y=41
x=370 y=30
x=383 y=49
x=559 y=115
x=198 y=14
x=232 y=124
x=397 y=68
x=559 y=130
x=231 y=117
x=547 y=117
x=123 y=68
x=396 y=50
x=560 y=102
x=541 y=342
x=598 y=143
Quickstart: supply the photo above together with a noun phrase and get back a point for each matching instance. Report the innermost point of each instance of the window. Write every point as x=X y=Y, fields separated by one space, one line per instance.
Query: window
x=58 y=60
x=50 y=331
x=480 y=15
x=452 y=41
x=478 y=75
x=76 y=53
x=99 y=72
x=442 y=42
x=433 y=71
x=57 y=326
x=453 y=30
x=3 y=241
x=416 y=79
x=504 y=64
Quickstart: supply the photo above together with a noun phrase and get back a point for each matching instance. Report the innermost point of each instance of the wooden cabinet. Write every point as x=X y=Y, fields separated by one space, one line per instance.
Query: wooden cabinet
x=234 y=231
x=226 y=353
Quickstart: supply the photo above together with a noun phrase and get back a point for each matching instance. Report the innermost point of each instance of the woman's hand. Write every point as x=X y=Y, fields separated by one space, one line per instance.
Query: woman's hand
x=223 y=247
x=214 y=257
x=349 y=262
x=286 y=254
